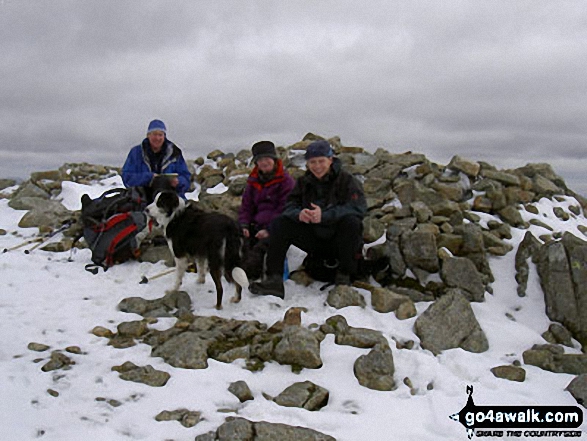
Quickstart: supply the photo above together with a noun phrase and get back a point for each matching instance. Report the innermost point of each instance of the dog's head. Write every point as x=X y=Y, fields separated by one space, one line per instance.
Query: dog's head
x=165 y=206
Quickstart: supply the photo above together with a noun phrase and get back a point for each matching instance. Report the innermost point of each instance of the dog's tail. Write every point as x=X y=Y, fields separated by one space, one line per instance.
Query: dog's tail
x=240 y=277
x=233 y=255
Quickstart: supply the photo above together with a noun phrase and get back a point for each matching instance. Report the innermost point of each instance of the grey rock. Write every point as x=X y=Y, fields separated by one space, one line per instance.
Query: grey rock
x=545 y=187
x=578 y=389
x=187 y=418
x=512 y=216
x=563 y=278
x=502 y=177
x=187 y=350
x=240 y=389
x=509 y=372
x=236 y=429
x=38 y=347
x=28 y=190
x=419 y=251
x=560 y=335
x=470 y=168
x=142 y=374
x=57 y=361
x=406 y=310
x=459 y=272
x=134 y=329
x=299 y=347
x=273 y=432
x=372 y=229
x=375 y=370
x=342 y=296
x=450 y=323
x=173 y=301
x=548 y=360
x=5 y=183
x=305 y=395
x=351 y=336
x=385 y=300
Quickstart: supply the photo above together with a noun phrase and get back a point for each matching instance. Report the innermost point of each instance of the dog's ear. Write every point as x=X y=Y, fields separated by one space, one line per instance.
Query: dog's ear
x=169 y=200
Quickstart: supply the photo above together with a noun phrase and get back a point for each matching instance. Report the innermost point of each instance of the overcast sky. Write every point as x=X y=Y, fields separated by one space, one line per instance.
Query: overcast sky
x=496 y=81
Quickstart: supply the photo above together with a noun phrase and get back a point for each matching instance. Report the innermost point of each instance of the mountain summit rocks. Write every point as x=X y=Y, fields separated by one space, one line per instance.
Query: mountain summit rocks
x=437 y=227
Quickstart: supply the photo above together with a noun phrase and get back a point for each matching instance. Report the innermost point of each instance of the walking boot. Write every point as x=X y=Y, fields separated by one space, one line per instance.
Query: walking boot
x=270 y=286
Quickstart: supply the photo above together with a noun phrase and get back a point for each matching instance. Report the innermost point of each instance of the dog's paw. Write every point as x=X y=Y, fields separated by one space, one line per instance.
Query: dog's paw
x=235 y=299
x=201 y=279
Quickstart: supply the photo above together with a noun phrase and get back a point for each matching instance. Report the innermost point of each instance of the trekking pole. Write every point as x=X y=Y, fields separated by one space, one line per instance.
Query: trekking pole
x=156 y=276
x=26 y=242
x=49 y=236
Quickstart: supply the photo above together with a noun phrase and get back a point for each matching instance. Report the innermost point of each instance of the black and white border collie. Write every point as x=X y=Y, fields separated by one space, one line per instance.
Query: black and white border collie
x=196 y=236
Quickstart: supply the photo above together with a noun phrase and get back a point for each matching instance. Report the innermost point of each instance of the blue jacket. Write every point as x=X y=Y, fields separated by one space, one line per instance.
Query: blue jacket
x=137 y=172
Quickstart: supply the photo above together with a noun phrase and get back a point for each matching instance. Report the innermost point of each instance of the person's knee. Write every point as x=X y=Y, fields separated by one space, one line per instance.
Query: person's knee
x=350 y=225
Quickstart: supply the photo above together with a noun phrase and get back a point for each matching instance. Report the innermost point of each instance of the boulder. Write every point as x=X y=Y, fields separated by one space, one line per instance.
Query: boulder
x=187 y=350
x=450 y=323
x=186 y=418
x=552 y=358
x=419 y=251
x=305 y=395
x=299 y=347
x=342 y=296
x=375 y=370
x=385 y=300
x=240 y=389
x=509 y=372
x=239 y=429
x=578 y=389
x=142 y=374
x=460 y=273
x=563 y=277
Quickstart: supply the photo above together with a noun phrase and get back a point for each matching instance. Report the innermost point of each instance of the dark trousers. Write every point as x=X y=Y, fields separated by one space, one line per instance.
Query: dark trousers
x=341 y=241
x=254 y=255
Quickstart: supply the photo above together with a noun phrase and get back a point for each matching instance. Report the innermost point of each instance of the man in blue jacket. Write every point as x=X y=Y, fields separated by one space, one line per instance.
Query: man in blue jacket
x=156 y=164
x=323 y=215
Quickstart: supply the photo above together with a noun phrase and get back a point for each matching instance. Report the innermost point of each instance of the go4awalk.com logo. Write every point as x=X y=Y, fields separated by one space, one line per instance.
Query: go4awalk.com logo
x=518 y=421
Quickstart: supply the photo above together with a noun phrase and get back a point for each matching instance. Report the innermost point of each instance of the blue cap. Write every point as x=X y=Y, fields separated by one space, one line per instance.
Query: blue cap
x=318 y=148
x=157 y=125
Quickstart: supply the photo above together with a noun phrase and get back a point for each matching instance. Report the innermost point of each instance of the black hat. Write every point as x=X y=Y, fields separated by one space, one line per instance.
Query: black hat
x=263 y=149
x=318 y=148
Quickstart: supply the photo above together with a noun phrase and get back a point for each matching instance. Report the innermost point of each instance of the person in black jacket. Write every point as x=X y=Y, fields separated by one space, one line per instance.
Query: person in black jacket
x=323 y=216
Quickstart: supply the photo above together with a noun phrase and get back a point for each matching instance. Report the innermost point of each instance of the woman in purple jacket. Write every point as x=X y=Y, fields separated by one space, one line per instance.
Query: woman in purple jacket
x=263 y=200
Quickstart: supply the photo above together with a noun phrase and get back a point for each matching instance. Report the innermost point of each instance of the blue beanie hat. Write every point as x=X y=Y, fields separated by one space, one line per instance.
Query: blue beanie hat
x=318 y=148
x=158 y=125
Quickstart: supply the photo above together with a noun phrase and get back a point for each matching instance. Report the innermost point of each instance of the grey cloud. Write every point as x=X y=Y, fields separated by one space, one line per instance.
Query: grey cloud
x=497 y=81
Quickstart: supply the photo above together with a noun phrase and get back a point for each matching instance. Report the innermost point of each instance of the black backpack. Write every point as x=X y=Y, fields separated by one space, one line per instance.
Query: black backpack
x=111 y=224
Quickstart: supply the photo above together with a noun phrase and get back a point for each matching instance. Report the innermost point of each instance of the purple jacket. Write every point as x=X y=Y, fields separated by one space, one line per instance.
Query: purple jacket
x=264 y=201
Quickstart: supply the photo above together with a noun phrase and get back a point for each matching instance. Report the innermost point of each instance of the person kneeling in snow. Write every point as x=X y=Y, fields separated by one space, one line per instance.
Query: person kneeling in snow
x=323 y=216
x=156 y=164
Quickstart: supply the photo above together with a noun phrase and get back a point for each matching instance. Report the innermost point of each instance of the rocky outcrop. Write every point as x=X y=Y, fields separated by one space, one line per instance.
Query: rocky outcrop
x=563 y=277
x=578 y=389
x=553 y=358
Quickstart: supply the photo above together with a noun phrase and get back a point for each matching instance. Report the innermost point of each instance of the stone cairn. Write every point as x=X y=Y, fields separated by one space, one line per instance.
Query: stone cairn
x=432 y=245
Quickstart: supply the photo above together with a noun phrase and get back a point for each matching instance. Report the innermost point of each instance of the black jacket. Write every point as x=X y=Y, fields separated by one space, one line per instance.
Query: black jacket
x=338 y=194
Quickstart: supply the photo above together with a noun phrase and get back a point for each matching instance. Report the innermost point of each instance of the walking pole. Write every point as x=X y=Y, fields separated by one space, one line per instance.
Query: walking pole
x=49 y=236
x=26 y=242
x=156 y=276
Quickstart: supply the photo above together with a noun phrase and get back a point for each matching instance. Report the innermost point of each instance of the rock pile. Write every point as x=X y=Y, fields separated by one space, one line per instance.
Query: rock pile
x=435 y=242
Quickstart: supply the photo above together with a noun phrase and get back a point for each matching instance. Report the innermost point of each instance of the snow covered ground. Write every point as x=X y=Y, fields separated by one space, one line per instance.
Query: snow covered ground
x=47 y=299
